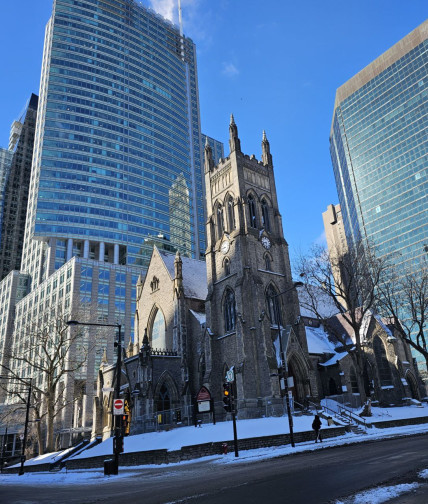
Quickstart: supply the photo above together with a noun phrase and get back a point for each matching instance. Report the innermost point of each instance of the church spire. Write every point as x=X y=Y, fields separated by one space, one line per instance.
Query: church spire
x=234 y=142
x=266 y=155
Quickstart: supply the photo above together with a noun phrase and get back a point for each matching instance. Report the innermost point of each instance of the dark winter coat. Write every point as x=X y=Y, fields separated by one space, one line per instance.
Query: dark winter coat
x=316 y=424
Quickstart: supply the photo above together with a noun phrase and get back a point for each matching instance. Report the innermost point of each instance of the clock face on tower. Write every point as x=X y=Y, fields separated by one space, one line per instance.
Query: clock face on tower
x=266 y=242
x=225 y=247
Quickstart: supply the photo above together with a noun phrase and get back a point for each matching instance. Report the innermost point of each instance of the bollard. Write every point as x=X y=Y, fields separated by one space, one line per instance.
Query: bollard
x=224 y=448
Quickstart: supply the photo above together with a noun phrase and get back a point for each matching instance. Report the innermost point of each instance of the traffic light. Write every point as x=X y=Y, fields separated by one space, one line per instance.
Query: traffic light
x=227 y=397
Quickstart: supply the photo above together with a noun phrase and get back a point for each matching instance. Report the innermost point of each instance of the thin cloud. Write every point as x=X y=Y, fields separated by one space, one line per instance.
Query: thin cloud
x=166 y=8
x=230 y=70
x=169 y=8
x=321 y=240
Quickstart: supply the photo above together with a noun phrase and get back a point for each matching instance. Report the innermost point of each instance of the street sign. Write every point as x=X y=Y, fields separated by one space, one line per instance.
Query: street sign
x=118 y=407
x=204 y=406
x=230 y=375
x=108 y=389
x=203 y=394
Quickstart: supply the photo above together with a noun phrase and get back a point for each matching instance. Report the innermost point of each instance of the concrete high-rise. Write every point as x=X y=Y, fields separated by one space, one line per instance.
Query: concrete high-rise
x=379 y=150
x=117 y=160
x=15 y=196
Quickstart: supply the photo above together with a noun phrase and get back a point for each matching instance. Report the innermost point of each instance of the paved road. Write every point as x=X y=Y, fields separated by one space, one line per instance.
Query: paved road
x=307 y=478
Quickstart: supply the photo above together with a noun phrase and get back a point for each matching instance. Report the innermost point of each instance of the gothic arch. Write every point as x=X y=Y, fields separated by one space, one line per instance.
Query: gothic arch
x=253 y=211
x=298 y=369
x=226 y=266
x=218 y=218
x=413 y=386
x=166 y=393
x=229 y=310
x=154 y=319
x=383 y=367
x=266 y=214
x=273 y=303
x=229 y=207
x=267 y=258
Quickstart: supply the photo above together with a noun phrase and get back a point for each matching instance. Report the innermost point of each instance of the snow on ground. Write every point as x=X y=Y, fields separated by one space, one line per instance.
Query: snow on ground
x=380 y=494
x=222 y=431
x=186 y=436
x=47 y=458
x=382 y=414
x=423 y=474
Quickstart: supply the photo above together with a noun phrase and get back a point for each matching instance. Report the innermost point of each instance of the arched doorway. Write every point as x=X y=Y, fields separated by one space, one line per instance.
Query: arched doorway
x=411 y=381
x=299 y=378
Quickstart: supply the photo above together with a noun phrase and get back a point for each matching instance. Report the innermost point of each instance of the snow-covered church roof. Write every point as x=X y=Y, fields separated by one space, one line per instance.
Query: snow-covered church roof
x=194 y=275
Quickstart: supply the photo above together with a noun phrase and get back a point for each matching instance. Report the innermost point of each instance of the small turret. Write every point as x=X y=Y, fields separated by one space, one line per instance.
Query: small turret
x=208 y=157
x=178 y=270
x=234 y=142
x=266 y=155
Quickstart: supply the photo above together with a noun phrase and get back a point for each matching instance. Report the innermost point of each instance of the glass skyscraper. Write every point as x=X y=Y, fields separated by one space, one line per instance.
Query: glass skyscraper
x=116 y=163
x=118 y=129
x=379 y=150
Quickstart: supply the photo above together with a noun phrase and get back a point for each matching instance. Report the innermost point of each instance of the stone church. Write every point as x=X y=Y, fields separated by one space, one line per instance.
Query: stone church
x=196 y=320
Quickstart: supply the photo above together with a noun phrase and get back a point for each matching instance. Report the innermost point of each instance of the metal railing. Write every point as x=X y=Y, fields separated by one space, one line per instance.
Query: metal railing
x=343 y=411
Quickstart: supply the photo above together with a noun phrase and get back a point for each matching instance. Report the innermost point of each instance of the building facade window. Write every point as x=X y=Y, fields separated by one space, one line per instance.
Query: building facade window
x=220 y=221
x=231 y=214
x=272 y=302
x=158 y=331
x=229 y=311
x=227 y=266
x=268 y=262
x=252 y=211
x=382 y=363
x=265 y=215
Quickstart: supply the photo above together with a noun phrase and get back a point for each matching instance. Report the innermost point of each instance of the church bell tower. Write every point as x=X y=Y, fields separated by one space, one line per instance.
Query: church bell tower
x=248 y=268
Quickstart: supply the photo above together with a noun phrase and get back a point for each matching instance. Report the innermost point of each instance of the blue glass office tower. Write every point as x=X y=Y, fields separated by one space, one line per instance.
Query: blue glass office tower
x=379 y=150
x=118 y=130
x=117 y=161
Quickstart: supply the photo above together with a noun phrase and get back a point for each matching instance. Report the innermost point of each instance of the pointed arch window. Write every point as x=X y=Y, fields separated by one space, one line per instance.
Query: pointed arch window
x=163 y=402
x=229 y=311
x=158 y=331
x=382 y=362
x=273 y=306
x=227 y=266
x=268 y=262
x=231 y=214
x=265 y=215
x=252 y=211
x=220 y=221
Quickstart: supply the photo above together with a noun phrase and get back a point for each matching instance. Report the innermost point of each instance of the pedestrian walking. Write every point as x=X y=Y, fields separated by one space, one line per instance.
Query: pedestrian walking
x=316 y=425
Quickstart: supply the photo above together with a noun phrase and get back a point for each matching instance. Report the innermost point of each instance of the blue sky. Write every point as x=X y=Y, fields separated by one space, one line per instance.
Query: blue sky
x=275 y=64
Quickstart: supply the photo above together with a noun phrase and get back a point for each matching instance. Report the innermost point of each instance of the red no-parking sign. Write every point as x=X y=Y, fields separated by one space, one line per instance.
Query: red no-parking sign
x=118 y=407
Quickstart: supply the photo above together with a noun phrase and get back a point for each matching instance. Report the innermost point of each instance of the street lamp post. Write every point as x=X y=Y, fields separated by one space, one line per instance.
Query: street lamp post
x=284 y=368
x=118 y=435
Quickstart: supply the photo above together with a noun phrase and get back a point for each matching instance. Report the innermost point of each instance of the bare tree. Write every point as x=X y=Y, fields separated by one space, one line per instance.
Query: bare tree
x=404 y=299
x=51 y=354
x=354 y=296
